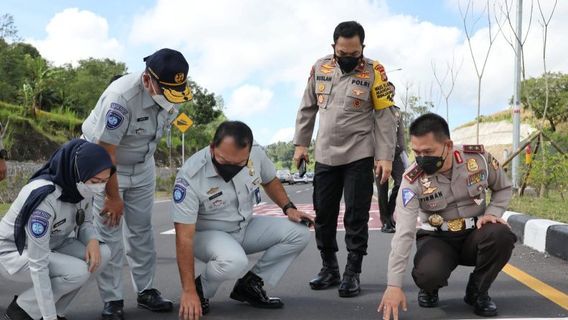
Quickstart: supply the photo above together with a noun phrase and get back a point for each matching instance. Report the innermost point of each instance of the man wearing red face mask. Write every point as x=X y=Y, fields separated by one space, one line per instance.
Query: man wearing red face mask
x=357 y=130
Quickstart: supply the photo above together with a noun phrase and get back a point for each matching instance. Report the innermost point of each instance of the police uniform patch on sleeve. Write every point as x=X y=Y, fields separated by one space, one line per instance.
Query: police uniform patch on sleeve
x=179 y=193
x=39 y=223
x=407 y=195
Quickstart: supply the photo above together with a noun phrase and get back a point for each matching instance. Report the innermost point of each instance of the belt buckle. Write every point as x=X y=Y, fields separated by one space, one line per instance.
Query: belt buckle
x=456 y=224
x=435 y=220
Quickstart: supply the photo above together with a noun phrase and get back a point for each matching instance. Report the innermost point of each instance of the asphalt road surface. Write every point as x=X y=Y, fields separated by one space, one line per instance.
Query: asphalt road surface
x=544 y=274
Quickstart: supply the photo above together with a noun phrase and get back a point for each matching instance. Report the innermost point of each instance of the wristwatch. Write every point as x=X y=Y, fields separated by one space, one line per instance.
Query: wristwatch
x=288 y=206
x=3 y=154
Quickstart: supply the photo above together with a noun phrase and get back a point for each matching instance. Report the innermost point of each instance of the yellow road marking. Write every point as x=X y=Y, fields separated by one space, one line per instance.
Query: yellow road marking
x=550 y=293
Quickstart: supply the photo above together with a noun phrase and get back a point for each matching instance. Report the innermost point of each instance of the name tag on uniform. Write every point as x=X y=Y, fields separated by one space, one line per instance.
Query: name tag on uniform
x=142 y=119
x=59 y=223
x=257 y=195
x=217 y=195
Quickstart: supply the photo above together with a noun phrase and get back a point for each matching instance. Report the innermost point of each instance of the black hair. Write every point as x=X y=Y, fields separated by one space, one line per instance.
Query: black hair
x=349 y=29
x=239 y=131
x=430 y=122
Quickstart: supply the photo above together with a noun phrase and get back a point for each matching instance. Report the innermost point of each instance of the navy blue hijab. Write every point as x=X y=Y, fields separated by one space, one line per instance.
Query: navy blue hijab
x=76 y=161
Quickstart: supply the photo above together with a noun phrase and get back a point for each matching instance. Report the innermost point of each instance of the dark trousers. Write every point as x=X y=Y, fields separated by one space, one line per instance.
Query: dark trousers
x=438 y=253
x=387 y=204
x=355 y=180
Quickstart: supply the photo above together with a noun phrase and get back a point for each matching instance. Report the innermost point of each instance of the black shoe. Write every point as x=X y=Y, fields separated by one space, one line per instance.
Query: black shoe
x=328 y=275
x=204 y=302
x=350 y=285
x=427 y=299
x=249 y=289
x=152 y=300
x=326 y=278
x=113 y=310
x=15 y=312
x=388 y=228
x=482 y=304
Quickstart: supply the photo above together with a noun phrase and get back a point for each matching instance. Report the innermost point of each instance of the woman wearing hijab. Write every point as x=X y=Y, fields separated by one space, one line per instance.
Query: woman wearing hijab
x=47 y=237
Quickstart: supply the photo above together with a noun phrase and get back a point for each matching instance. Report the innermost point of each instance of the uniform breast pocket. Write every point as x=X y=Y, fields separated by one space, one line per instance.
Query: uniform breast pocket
x=215 y=202
x=323 y=93
x=357 y=98
x=142 y=125
x=477 y=183
x=434 y=201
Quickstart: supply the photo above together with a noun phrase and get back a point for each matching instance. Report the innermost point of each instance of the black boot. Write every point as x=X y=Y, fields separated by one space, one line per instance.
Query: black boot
x=250 y=289
x=428 y=299
x=388 y=227
x=481 y=301
x=152 y=300
x=350 y=284
x=329 y=274
x=204 y=302
x=113 y=310
x=15 y=312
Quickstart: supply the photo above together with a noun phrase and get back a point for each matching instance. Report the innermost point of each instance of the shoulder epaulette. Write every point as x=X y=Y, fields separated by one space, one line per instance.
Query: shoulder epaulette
x=473 y=148
x=413 y=174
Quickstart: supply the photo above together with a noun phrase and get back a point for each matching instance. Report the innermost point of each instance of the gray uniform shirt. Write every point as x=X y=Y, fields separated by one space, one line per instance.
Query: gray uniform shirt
x=350 y=126
x=126 y=116
x=51 y=223
x=203 y=198
x=462 y=196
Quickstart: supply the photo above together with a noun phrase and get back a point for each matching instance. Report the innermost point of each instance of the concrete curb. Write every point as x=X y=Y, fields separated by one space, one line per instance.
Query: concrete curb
x=542 y=235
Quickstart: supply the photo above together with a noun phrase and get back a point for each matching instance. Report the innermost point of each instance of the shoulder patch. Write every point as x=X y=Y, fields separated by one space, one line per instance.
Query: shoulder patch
x=473 y=148
x=39 y=223
x=381 y=70
x=180 y=189
x=458 y=157
x=114 y=119
x=407 y=195
x=119 y=108
x=413 y=174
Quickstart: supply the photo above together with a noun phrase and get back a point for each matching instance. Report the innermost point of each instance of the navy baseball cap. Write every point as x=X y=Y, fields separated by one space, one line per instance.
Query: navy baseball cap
x=170 y=68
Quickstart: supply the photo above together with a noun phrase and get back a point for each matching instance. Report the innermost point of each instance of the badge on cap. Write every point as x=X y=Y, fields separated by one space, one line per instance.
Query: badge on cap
x=407 y=196
x=472 y=165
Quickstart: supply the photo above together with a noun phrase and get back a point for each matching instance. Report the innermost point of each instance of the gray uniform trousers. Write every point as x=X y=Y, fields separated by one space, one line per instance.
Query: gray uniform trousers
x=225 y=254
x=137 y=185
x=68 y=272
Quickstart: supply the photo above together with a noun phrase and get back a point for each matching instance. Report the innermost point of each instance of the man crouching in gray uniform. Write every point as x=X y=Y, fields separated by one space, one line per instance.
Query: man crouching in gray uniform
x=214 y=194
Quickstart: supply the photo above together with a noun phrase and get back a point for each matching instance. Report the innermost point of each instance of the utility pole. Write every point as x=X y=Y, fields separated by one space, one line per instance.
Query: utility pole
x=517 y=95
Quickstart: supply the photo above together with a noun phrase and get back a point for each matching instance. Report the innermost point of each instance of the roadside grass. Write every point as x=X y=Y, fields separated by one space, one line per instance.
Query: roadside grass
x=553 y=207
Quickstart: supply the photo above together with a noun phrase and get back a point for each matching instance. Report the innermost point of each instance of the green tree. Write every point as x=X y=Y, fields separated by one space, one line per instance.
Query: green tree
x=35 y=89
x=534 y=89
x=87 y=82
x=8 y=30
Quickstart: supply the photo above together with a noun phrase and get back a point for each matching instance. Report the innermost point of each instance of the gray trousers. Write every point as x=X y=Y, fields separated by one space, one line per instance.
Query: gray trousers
x=134 y=234
x=68 y=272
x=225 y=254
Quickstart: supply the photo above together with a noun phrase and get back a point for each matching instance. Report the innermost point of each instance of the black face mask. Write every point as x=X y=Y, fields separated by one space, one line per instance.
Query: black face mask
x=431 y=164
x=347 y=64
x=226 y=171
